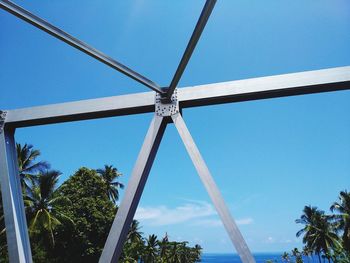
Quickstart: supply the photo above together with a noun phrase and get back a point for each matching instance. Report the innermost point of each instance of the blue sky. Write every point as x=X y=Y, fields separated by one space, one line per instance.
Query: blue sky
x=269 y=157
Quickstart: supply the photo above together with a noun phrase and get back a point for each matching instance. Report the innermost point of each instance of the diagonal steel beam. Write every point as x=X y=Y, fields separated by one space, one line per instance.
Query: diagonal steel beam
x=74 y=42
x=208 y=8
x=18 y=245
x=308 y=82
x=121 y=225
x=213 y=191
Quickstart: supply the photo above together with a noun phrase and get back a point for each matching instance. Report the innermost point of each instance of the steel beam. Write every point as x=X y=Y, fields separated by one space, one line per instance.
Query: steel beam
x=291 y=84
x=233 y=91
x=121 y=225
x=15 y=220
x=213 y=191
x=74 y=42
x=202 y=21
x=82 y=110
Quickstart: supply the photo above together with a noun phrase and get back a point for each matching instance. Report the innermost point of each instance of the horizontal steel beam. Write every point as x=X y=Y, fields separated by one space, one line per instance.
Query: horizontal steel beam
x=300 y=83
x=72 y=41
x=82 y=110
x=234 y=91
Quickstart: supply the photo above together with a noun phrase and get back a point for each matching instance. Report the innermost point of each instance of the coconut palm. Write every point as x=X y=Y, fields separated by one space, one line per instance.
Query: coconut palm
x=174 y=255
x=307 y=252
x=164 y=247
x=319 y=233
x=109 y=175
x=343 y=218
x=297 y=255
x=134 y=234
x=43 y=205
x=134 y=245
x=132 y=251
x=185 y=253
x=27 y=166
x=151 y=249
x=196 y=252
x=285 y=257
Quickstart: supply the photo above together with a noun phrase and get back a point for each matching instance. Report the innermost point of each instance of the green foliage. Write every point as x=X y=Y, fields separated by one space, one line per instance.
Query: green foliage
x=319 y=232
x=71 y=223
x=152 y=250
x=326 y=236
x=92 y=213
x=109 y=175
x=44 y=206
x=27 y=166
x=342 y=218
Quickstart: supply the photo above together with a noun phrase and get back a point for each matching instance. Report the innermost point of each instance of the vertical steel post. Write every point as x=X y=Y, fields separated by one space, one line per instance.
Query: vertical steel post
x=213 y=191
x=15 y=218
x=121 y=225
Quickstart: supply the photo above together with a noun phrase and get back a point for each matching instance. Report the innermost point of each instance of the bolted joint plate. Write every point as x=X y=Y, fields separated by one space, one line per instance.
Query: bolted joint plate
x=2 y=120
x=167 y=109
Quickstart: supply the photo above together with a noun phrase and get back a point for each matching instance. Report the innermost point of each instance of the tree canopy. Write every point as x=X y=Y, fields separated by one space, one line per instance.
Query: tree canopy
x=70 y=222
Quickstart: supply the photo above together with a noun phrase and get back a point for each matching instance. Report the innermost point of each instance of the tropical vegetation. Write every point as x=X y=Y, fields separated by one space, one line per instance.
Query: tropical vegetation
x=325 y=236
x=70 y=221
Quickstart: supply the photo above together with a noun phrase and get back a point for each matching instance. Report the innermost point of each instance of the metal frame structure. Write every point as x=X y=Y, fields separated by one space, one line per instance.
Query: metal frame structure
x=167 y=104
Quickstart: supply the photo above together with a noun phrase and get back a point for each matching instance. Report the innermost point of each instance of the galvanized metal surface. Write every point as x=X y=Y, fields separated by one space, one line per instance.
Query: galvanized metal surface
x=307 y=82
x=139 y=175
x=300 y=83
x=203 y=19
x=217 y=93
x=213 y=191
x=74 y=42
x=168 y=108
x=12 y=200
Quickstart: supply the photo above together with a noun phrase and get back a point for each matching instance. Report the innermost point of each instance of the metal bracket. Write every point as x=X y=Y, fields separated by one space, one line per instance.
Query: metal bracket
x=167 y=109
x=2 y=120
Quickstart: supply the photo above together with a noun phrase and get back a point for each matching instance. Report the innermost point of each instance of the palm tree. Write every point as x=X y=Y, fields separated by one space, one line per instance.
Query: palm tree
x=196 y=253
x=285 y=257
x=185 y=253
x=28 y=170
x=174 y=255
x=297 y=255
x=43 y=205
x=27 y=166
x=164 y=248
x=307 y=252
x=151 y=249
x=134 y=234
x=319 y=233
x=109 y=175
x=343 y=218
x=134 y=245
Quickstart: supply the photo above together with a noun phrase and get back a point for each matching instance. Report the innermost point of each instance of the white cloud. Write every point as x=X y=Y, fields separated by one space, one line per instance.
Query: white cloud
x=245 y=221
x=217 y=222
x=194 y=212
x=207 y=222
x=270 y=240
x=163 y=215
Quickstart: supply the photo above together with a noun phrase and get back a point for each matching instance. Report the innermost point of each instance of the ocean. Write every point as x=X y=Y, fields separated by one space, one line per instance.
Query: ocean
x=233 y=258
